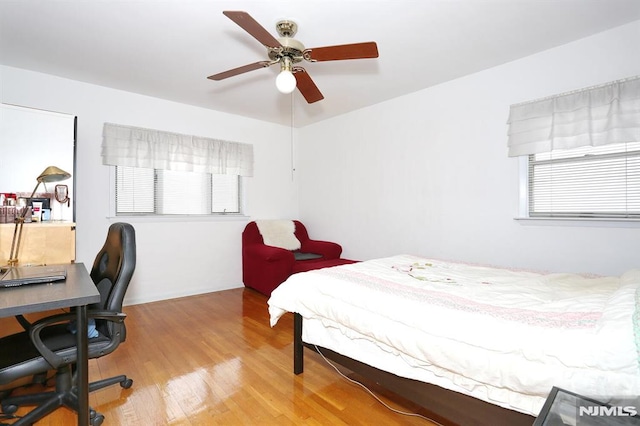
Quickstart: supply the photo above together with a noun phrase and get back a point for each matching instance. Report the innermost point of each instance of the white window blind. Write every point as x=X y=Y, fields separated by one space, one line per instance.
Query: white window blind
x=586 y=182
x=183 y=192
x=225 y=195
x=135 y=191
x=142 y=191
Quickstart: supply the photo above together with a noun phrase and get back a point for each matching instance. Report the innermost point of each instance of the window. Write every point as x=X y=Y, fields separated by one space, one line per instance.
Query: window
x=583 y=151
x=144 y=191
x=165 y=173
x=602 y=182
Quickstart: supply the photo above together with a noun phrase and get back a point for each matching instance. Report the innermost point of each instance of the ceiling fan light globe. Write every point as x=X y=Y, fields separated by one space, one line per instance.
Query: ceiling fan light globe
x=285 y=82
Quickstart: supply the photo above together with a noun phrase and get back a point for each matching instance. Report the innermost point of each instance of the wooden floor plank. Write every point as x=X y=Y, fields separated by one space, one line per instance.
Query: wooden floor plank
x=213 y=359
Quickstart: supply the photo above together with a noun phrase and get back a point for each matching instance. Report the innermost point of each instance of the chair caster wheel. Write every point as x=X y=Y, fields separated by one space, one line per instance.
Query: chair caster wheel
x=126 y=384
x=9 y=410
x=96 y=419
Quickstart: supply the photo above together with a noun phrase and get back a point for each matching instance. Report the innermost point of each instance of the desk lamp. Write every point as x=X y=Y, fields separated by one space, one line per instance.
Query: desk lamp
x=50 y=174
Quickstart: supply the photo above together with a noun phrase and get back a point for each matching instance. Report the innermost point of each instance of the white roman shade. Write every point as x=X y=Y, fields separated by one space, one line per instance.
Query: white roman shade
x=155 y=149
x=595 y=116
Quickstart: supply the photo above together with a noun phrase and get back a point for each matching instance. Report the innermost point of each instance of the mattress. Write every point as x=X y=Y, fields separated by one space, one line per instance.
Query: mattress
x=503 y=336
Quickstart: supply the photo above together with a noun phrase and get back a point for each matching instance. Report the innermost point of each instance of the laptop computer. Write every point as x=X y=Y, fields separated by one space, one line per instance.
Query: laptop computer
x=23 y=275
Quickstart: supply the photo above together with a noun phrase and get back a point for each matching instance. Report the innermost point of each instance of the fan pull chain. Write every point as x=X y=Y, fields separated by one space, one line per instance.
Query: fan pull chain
x=293 y=168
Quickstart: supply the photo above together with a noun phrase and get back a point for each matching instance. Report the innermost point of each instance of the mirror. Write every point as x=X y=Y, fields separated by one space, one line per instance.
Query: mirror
x=30 y=141
x=61 y=194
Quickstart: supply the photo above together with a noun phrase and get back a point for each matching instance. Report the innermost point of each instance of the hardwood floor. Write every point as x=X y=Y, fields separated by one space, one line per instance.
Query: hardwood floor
x=212 y=359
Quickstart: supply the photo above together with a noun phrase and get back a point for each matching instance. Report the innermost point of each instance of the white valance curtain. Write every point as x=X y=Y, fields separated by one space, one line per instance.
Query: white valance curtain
x=600 y=115
x=155 y=149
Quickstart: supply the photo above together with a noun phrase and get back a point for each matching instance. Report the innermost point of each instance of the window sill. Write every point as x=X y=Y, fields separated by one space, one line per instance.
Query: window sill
x=181 y=218
x=584 y=222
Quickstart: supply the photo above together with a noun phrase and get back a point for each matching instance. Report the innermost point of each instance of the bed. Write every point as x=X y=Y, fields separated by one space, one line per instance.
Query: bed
x=471 y=338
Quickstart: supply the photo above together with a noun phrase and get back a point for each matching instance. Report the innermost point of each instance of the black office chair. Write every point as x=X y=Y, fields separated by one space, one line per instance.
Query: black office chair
x=54 y=347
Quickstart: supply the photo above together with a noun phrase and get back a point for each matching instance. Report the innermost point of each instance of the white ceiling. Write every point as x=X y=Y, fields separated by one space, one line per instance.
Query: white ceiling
x=166 y=49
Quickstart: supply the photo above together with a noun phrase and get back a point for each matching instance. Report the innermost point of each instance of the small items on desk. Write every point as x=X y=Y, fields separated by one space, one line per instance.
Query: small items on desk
x=8 y=202
x=28 y=216
x=7 y=214
x=37 y=211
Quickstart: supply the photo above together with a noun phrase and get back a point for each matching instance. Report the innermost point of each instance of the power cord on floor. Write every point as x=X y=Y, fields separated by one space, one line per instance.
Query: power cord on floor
x=404 y=413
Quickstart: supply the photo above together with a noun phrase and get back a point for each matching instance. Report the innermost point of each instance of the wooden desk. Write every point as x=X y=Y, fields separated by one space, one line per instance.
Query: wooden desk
x=43 y=243
x=78 y=290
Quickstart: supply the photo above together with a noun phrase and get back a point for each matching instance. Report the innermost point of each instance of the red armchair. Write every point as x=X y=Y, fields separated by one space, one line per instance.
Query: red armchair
x=265 y=267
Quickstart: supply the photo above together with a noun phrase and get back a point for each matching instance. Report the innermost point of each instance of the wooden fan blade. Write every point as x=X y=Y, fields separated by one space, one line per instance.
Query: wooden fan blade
x=306 y=86
x=250 y=25
x=239 y=70
x=343 y=51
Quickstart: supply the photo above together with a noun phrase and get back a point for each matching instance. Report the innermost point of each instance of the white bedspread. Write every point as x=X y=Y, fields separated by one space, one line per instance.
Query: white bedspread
x=503 y=336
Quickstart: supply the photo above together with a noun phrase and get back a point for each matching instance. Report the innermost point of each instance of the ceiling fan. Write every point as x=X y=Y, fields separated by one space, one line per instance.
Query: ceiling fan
x=288 y=52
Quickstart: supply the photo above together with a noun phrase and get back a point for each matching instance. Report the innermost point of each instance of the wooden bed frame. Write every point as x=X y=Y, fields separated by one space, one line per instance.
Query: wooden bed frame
x=444 y=406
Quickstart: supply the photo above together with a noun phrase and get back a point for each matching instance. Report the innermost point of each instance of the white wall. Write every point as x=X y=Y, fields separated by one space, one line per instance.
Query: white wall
x=175 y=258
x=428 y=173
